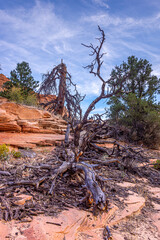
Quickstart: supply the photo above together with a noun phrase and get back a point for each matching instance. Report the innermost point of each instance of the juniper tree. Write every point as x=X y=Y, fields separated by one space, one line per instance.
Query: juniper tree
x=137 y=105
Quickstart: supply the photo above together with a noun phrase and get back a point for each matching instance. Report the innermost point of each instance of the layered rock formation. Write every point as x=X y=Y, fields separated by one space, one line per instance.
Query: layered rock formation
x=3 y=79
x=19 y=118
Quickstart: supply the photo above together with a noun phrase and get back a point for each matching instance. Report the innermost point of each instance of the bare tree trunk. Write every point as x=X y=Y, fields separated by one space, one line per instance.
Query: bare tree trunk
x=62 y=90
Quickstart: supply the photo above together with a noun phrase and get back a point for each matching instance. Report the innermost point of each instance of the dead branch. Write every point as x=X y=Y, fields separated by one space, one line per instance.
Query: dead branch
x=101 y=162
x=100 y=149
x=95 y=69
x=63 y=168
x=92 y=185
x=5 y=173
x=67 y=93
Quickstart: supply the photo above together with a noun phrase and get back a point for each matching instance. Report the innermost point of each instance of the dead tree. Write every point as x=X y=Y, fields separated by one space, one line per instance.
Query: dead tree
x=76 y=150
x=72 y=157
x=109 y=87
x=68 y=95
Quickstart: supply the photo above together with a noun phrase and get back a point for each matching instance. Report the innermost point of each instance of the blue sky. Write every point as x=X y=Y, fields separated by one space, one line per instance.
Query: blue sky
x=42 y=32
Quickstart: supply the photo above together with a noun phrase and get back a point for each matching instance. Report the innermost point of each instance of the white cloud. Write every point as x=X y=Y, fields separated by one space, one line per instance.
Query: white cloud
x=103 y=19
x=106 y=19
x=156 y=70
x=36 y=35
x=37 y=28
x=101 y=3
x=91 y=87
x=142 y=47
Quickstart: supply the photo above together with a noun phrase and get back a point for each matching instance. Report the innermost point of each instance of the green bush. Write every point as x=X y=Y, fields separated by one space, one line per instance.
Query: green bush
x=157 y=164
x=15 y=95
x=16 y=154
x=18 y=95
x=4 y=152
x=31 y=100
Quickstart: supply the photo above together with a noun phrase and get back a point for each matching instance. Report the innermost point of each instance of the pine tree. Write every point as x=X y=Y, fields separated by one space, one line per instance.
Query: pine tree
x=136 y=107
x=21 y=86
x=22 y=77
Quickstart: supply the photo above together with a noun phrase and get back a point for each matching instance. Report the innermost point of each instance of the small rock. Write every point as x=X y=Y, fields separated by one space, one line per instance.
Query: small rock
x=28 y=153
x=22 y=199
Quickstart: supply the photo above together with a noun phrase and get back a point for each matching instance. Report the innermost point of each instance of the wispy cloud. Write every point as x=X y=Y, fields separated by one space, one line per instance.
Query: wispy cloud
x=36 y=35
x=41 y=35
x=39 y=24
x=106 y=20
x=101 y=3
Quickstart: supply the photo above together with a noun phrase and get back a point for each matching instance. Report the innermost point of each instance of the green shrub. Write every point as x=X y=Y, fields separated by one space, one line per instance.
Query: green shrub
x=18 y=95
x=157 y=164
x=15 y=94
x=4 y=152
x=16 y=154
x=31 y=100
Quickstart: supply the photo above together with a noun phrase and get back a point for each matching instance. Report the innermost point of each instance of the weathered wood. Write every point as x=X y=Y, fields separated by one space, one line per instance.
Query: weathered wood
x=5 y=173
x=101 y=162
x=63 y=168
x=66 y=141
x=92 y=185
x=100 y=148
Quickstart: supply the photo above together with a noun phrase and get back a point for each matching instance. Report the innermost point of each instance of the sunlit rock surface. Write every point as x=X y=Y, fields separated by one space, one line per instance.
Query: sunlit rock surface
x=72 y=224
x=19 y=118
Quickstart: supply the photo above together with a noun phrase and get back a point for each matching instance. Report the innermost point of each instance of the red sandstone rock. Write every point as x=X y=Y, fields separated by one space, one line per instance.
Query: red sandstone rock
x=30 y=140
x=155 y=191
x=18 y=118
x=3 y=79
x=5 y=117
x=73 y=224
x=21 y=111
x=134 y=204
x=2 y=100
x=22 y=198
x=11 y=126
x=46 y=98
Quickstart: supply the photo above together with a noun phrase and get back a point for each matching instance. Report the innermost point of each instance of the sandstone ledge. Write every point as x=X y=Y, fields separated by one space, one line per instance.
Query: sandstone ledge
x=19 y=118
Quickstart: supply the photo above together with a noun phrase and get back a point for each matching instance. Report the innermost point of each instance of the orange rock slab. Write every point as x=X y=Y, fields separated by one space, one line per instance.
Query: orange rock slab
x=71 y=224
x=30 y=140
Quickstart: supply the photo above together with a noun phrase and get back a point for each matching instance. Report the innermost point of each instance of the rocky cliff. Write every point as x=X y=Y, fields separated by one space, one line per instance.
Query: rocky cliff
x=19 y=118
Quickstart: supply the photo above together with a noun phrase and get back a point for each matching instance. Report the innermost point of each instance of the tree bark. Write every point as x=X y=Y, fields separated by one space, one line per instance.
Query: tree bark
x=62 y=90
